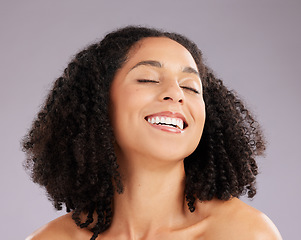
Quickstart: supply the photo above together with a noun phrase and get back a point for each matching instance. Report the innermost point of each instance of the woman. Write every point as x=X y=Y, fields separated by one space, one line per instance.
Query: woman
x=139 y=140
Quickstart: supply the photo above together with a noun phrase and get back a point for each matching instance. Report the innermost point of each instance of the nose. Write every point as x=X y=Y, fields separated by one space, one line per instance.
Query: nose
x=172 y=92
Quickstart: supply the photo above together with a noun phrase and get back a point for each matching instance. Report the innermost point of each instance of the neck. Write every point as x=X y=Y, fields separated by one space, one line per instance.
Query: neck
x=153 y=198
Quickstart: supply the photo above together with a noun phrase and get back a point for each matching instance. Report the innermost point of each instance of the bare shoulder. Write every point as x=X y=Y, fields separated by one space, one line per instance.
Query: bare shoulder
x=253 y=221
x=236 y=220
x=61 y=228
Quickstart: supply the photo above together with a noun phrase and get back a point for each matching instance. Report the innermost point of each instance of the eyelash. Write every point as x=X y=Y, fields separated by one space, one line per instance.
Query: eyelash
x=154 y=81
x=147 y=80
x=191 y=89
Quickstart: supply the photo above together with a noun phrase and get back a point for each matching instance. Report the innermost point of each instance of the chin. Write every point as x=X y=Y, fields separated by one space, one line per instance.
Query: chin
x=173 y=154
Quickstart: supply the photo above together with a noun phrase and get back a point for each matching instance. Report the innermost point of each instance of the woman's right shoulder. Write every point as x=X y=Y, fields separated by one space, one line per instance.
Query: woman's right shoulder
x=59 y=228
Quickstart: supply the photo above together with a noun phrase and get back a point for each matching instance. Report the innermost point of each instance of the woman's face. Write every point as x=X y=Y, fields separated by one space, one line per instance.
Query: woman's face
x=157 y=108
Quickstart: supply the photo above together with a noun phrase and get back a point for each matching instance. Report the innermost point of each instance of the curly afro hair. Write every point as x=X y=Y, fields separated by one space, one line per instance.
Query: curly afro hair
x=70 y=146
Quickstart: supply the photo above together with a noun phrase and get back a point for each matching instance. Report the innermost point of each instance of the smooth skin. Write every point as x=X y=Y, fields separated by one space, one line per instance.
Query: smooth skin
x=160 y=78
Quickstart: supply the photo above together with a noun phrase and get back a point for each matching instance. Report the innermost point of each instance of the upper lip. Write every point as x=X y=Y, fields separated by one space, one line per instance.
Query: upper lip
x=169 y=114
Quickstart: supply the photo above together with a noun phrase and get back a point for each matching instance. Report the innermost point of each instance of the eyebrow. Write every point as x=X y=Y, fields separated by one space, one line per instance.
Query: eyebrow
x=191 y=70
x=148 y=63
x=159 y=65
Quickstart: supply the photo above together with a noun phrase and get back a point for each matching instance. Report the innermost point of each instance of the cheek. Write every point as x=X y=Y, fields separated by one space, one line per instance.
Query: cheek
x=122 y=99
x=129 y=102
x=200 y=116
x=202 y=113
x=127 y=110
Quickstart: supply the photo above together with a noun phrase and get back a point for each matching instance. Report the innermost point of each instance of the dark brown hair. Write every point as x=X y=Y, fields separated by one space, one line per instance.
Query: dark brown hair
x=70 y=144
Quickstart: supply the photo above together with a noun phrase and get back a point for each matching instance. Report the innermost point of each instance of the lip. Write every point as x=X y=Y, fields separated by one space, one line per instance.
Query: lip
x=166 y=128
x=168 y=114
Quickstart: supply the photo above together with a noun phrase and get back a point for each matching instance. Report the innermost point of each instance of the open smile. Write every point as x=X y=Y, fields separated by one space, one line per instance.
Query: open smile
x=168 y=121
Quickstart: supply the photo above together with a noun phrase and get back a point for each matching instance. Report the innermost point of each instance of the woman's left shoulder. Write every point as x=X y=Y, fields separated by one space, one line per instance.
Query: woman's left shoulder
x=253 y=220
x=238 y=220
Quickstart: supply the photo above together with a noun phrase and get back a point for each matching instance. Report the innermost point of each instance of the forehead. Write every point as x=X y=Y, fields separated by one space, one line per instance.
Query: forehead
x=162 y=49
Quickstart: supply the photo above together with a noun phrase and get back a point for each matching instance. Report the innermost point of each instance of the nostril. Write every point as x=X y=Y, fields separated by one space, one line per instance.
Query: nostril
x=170 y=98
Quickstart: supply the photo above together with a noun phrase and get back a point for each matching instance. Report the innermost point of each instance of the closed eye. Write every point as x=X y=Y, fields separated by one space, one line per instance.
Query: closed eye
x=147 y=81
x=191 y=89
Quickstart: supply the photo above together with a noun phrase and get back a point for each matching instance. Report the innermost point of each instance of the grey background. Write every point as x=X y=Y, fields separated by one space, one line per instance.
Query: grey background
x=254 y=46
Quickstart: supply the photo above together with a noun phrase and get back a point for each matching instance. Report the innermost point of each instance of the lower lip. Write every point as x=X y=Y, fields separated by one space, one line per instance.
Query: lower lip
x=166 y=128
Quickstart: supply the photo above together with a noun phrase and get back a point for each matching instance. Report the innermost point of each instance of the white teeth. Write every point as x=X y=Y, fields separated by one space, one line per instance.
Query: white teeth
x=157 y=120
x=167 y=121
x=181 y=124
x=174 y=121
